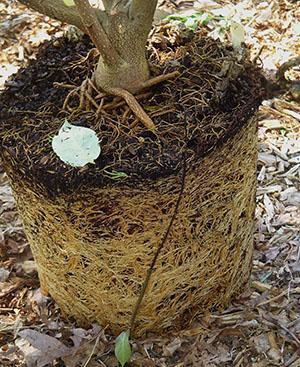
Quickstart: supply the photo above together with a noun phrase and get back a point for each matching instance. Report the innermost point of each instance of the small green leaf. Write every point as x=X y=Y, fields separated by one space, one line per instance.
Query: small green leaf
x=115 y=175
x=191 y=19
x=181 y=18
x=69 y=2
x=283 y=131
x=122 y=348
x=205 y=18
x=76 y=145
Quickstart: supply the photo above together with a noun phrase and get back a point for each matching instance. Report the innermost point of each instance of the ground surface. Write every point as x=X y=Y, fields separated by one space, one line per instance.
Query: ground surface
x=260 y=329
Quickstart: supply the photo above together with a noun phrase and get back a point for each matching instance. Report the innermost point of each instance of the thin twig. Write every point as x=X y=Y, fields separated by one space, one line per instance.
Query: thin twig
x=289 y=332
x=93 y=351
x=282 y=294
x=257 y=56
x=162 y=243
x=294 y=358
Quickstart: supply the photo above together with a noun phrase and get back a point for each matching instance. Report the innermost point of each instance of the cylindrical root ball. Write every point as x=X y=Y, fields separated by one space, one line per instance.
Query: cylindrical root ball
x=93 y=249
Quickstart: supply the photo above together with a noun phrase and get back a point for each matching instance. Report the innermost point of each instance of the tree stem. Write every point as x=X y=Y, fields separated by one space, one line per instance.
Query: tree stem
x=96 y=32
x=119 y=32
x=143 y=9
x=56 y=9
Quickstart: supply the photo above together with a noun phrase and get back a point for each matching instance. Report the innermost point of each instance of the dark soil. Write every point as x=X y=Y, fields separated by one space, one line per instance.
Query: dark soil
x=199 y=110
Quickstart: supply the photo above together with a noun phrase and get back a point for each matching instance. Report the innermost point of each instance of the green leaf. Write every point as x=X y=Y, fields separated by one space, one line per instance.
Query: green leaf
x=181 y=18
x=283 y=131
x=191 y=19
x=69 y=2
x=122 y=348
x=115 y=175
x=76 y=145
x=205 y=18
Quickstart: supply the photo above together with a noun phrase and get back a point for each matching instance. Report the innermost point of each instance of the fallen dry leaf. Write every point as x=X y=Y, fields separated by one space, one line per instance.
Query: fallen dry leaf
x=41 y=349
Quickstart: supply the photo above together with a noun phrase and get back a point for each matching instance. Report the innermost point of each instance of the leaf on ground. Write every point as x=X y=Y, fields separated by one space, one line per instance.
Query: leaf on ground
x=84 y=352
x=4 y=274
x=69 y=2
x=31 y=354
x=272 y=123
x=42 y=349
x=122 y=348
x=76 y=145
x=171 y=348
x=269 y=207
x=11 y=286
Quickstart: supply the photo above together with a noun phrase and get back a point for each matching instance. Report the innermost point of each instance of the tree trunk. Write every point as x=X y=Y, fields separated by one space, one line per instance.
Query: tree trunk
x=119 y=32
x=131 y=68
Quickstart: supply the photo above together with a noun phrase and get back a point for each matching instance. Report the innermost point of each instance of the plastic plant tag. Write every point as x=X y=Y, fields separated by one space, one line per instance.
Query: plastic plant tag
x=76 y=145
x=122 y=348
x=237 y=33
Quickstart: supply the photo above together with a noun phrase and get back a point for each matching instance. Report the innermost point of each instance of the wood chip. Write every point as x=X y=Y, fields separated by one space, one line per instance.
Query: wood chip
x=261 y=287
x=272 y=124
x=269 y=189
x=278 y=152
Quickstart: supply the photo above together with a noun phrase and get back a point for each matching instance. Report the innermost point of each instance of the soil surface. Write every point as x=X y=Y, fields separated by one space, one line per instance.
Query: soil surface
x=213 y=96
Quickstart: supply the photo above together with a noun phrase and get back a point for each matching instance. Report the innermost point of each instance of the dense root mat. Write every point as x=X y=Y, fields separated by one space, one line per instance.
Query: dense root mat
x=93 y=250
x=94 y=231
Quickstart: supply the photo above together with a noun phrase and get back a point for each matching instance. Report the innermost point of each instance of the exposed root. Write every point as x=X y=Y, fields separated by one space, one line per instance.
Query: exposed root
x=63 y=85
x=135 y=106
x=127 y=145
x=118 y=102
x=69 y=96
x=83 y=90
x=90 y=99
x=158 y=79
x=99 y=109
x=92 y=54
x=87 y=102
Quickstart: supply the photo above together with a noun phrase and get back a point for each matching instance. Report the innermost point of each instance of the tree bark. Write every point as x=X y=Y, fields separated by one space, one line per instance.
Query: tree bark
x=120 y=33
x=56 y=9
x=96 y=32
x=128 y=27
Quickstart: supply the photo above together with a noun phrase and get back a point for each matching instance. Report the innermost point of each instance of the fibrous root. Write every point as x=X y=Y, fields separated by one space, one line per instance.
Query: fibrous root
x=84 y=93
